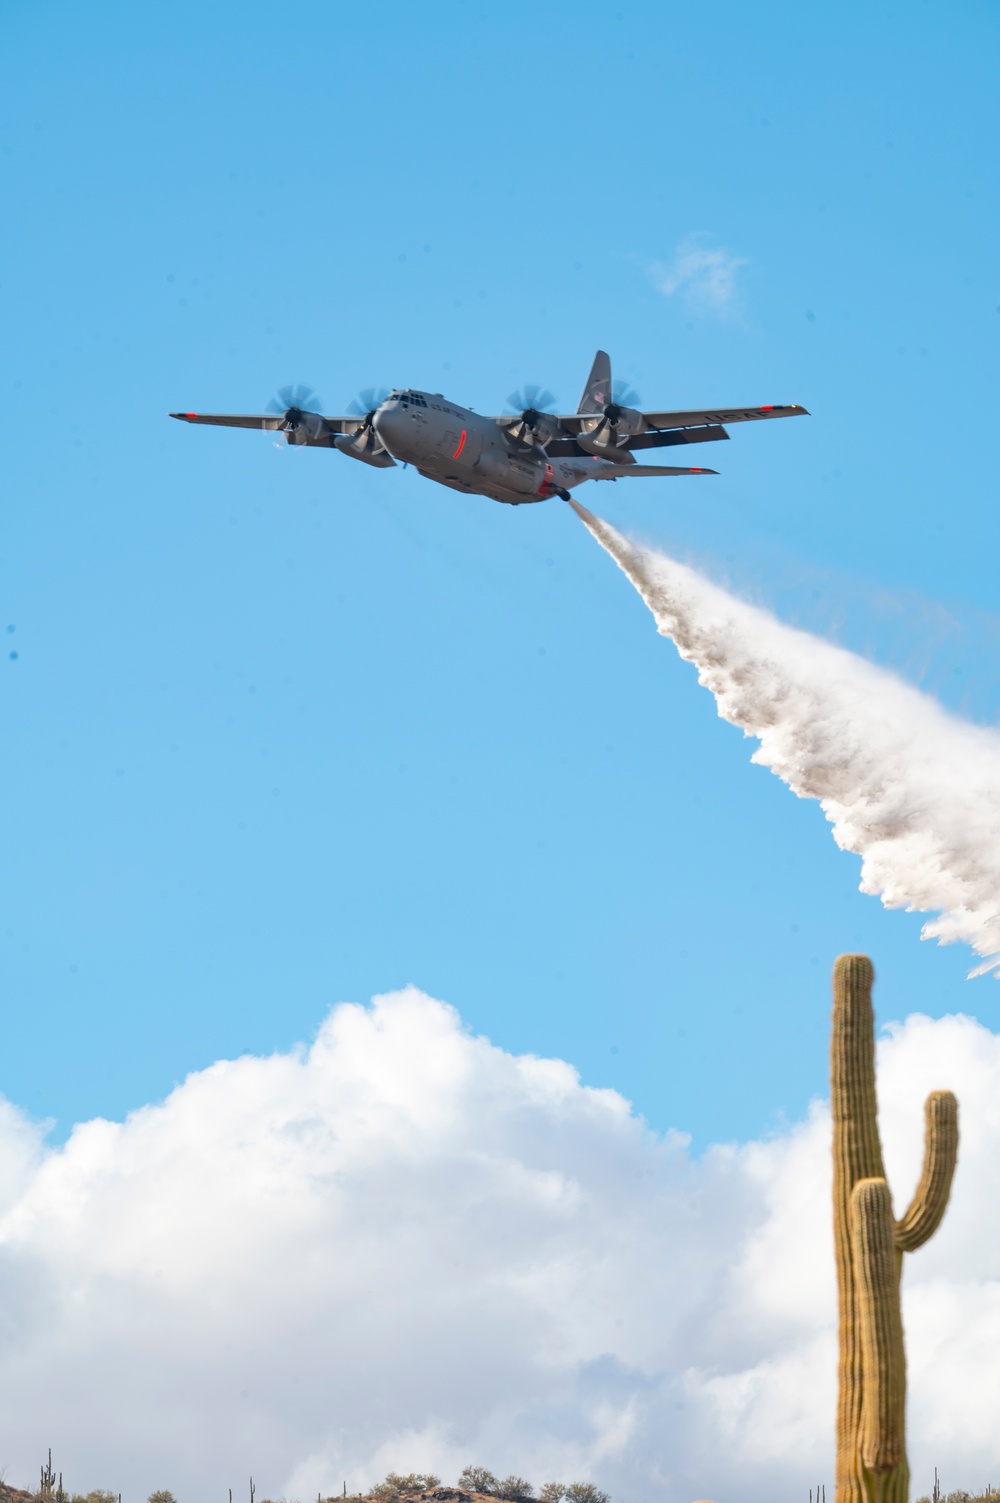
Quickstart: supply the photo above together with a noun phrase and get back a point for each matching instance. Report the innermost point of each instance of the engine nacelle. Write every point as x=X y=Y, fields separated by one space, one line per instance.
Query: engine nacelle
x=360 y=446
x=607 y=435
x=544 y=426
x=304 y=427
x=533 y=429
x=628 y=421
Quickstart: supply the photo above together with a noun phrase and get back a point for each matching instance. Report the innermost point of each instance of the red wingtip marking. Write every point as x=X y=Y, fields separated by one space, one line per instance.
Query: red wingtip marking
x=768 y=407
x=190 y=414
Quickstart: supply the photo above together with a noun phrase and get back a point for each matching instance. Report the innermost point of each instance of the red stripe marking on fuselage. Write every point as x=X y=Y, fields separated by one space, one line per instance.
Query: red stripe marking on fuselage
x=461 y=445
x=545 y=488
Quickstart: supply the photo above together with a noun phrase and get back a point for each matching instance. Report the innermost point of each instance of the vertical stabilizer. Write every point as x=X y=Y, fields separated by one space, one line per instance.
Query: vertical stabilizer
x=597 y=392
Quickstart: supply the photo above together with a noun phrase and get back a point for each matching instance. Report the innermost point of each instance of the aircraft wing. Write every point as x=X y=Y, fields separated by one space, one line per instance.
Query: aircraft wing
x=710 y=417
x=649 y=440
x=272 y=422
x=705 y=417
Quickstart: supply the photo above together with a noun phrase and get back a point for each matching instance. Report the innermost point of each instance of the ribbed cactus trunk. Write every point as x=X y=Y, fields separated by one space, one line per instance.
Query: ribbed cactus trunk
x=880 y=1328
x=871 y=1399
x=857 y=1160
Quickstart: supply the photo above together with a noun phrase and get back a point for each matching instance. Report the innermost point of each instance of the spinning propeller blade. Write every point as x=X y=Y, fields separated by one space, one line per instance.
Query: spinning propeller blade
x=365 y=403
x=300 y=407
x=624 y=395
x=531 y=407
x=618 y=418
x=530 y=399
x=294 y=399
x=364 y=406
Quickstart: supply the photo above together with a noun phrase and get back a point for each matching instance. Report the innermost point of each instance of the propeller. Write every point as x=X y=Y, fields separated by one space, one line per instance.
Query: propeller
x=531 y=405
x=367 y=401
x=623 y=395
x=609 y=428
x=294 y=399
x=364 y=406
x=530 y=399
x=300 y=407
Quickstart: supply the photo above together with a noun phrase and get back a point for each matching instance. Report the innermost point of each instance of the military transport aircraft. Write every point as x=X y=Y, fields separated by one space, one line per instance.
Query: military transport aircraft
x=528 y=454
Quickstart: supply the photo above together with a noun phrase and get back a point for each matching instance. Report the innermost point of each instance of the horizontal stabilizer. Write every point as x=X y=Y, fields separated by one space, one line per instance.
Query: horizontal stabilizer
x=625 y=472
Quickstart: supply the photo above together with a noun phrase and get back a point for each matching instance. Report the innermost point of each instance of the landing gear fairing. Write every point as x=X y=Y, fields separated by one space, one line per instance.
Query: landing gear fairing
x=526 y=454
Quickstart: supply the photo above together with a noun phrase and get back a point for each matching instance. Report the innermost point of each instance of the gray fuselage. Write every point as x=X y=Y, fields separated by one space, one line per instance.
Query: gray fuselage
x=459 y=448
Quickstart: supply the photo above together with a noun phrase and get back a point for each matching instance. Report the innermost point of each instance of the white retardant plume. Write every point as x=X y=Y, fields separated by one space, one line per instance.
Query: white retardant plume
x=912 y=790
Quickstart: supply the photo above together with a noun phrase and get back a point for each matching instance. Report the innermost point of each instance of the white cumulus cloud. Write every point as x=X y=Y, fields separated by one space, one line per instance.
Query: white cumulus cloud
x=703 y=274
x=407 y=1248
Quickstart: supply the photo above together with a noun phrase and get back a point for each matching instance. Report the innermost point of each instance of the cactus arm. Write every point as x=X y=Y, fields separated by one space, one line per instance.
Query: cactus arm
x=883 y=1360
x=940 y=1152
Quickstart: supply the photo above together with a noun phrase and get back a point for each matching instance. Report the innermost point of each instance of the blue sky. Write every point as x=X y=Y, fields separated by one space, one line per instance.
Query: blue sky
x=283 y=731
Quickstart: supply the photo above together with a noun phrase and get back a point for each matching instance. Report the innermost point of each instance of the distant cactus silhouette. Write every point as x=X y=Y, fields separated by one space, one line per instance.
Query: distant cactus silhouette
x=871 y=1400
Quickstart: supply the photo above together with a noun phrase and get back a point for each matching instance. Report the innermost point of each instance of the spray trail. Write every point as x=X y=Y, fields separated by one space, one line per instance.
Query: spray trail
x=912 y=790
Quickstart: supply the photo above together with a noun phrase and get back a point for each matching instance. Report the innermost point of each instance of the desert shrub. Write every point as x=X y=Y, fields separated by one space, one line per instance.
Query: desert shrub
x=585 y=1492
x=99 y=1495
x=476 y=1479
x=988 y=1494
x=551 y=1492
x=515 y=1490
x=162 y=1495
x=396 y=1484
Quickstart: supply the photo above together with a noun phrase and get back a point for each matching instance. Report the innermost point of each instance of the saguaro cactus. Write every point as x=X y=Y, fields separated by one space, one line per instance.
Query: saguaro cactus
x=871 y=1400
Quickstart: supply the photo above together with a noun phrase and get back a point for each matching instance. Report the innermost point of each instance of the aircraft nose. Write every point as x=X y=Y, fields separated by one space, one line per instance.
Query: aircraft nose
x=387 y=423
x=387 y=420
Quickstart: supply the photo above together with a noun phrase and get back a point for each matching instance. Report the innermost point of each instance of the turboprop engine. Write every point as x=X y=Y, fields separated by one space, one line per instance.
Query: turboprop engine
x=364 y=443
x=606 y=434
x=366 y=446
x=299 y=410
x=528 y=421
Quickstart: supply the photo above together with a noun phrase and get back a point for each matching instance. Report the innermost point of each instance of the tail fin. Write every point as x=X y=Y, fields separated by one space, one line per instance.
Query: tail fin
x=597 y=392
